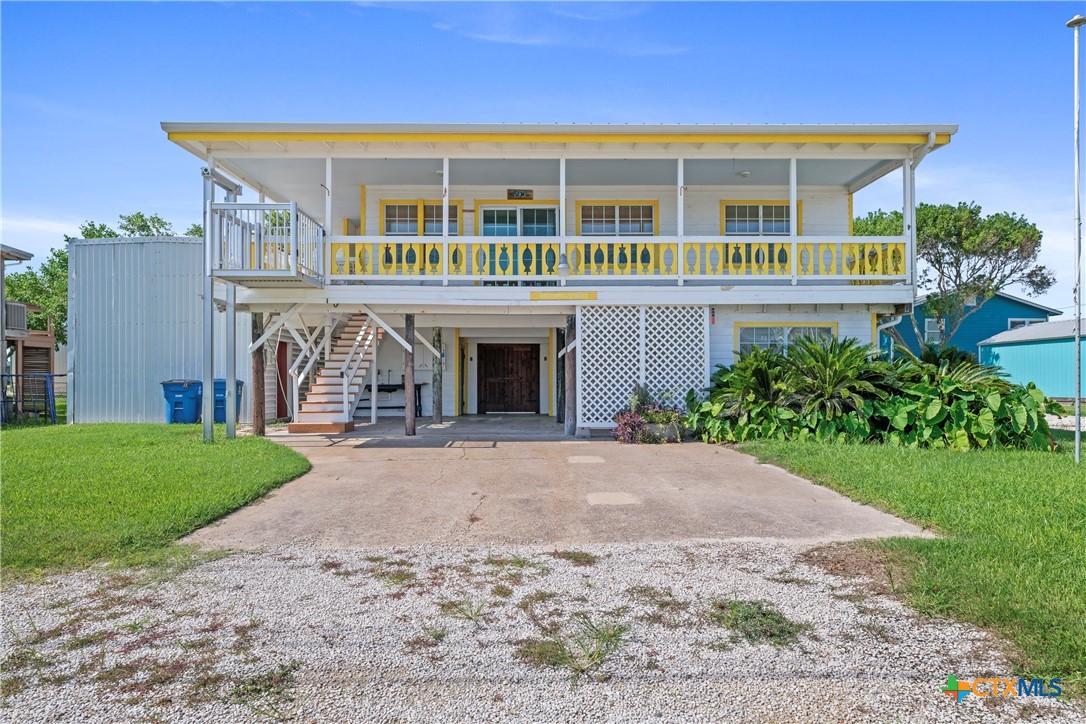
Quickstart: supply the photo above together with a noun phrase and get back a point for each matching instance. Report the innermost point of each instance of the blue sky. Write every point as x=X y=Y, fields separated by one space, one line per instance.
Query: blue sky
x=85 y=85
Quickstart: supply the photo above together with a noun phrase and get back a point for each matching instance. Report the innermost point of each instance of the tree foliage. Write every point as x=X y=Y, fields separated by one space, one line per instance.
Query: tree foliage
x=46 y=287
x=139 y=224
x=967 y=257
x=195 y=230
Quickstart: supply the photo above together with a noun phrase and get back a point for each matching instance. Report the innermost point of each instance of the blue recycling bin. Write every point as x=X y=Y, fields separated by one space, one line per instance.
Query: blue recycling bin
x=220 y=400
x=183 y=398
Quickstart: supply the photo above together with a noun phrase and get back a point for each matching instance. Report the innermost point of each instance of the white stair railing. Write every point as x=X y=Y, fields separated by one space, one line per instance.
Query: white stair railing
x=364 y=342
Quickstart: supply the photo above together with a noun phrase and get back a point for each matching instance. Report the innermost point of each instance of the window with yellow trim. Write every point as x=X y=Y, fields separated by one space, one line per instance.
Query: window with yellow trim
x=403 y=219
x=778 y=337
x=617 y=219
x=754 y=219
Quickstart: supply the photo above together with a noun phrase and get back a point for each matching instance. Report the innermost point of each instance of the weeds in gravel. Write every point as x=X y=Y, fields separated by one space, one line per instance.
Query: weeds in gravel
x=11 y=685
x=516 y=562
x=577 y=558
x=268 y=693
x=465 y=609
x=428 y=639
x=583 y=652
x=545 y=620
x=666 y=609
x=501 y=590
x=755 y=621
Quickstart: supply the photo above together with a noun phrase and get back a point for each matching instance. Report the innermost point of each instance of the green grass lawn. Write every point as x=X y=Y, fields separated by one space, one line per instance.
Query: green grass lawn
x=72 y=495
x=1014 y=556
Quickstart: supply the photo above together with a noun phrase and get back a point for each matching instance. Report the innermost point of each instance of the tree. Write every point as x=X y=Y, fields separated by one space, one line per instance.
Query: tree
x=45 y=287
x=967 y=258
x=195 y=230
x=139 y=224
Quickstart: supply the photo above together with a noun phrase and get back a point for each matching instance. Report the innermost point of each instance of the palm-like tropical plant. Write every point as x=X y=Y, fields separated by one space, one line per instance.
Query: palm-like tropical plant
x=829 y=378
x=757 y=377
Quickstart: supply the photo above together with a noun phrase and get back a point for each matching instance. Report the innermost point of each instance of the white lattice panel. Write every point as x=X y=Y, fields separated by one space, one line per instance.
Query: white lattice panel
x=676 y=351
x=663 y=347
x=608 y=361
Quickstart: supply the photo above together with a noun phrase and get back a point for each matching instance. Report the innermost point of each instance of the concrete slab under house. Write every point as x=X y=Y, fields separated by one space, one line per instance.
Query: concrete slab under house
x=404 y=270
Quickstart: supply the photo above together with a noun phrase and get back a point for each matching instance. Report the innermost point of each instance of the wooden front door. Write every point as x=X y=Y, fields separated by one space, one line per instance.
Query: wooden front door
x=508 y=378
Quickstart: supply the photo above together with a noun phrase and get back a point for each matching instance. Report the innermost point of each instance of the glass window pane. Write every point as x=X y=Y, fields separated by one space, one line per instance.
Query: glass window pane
x=539 y=222
x=775 y=219
x=432 y=221
x=741 y=219
x=401 y=219
x=499 y=222
x=597 y=220
x=635 y=220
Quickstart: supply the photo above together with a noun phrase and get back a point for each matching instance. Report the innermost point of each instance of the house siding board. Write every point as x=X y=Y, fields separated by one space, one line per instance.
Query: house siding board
x=1048 y=363
x=989 y=320
x=825 y=210
x=137 y=322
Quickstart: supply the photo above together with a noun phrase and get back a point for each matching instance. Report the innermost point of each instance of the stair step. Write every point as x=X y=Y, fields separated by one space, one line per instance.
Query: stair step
x=335 y=396
x=308 y=416
x=308 y=406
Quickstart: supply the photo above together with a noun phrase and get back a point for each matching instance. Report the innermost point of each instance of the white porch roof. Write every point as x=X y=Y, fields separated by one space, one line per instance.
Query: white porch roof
x=287 y=159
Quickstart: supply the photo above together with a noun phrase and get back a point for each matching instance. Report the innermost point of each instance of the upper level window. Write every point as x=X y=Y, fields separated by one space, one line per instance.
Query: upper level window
x=401 y=218
x=933 y=330
x=617 y=219
x=519 y=221
x=1023 y=322
x=758 y=218
x=778 y=336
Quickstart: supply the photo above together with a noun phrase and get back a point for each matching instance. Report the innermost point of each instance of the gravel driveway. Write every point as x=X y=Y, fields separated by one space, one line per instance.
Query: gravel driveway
x=443 y=633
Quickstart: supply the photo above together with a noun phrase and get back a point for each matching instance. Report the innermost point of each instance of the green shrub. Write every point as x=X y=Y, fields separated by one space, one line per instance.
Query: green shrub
x=833 y=390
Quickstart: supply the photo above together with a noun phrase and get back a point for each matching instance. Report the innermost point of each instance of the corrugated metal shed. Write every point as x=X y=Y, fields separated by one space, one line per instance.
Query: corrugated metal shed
x=134 y=321
x=1043 y=354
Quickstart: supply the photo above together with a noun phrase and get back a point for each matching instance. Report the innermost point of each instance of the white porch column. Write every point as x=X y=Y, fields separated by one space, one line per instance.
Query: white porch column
x=326 y=248
x=562 y=212
x=908 y=217
x=793 y=219
x=680 y=217
x=445 y=221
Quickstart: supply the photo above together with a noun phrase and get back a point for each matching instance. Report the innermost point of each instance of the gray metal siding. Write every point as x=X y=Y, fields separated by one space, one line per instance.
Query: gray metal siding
x=134 y=321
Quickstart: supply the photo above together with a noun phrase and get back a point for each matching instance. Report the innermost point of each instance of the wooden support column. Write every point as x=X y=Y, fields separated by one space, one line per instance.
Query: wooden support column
x=560 y=381
x=436 y=381
x=409 y=375
x=571 y=377
x=257 y=393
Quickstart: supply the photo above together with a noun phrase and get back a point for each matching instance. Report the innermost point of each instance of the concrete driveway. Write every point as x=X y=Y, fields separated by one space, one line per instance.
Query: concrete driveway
x=486 y=484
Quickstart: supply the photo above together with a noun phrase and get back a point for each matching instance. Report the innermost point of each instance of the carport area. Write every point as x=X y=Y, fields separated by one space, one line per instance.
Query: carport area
x=497 y=480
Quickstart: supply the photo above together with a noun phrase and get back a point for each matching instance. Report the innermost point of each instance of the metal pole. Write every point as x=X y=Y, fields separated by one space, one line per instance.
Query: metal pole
x=1076 y=23
x=570 y=422
x=409 y=375
x=230 y=398
x=208 y=371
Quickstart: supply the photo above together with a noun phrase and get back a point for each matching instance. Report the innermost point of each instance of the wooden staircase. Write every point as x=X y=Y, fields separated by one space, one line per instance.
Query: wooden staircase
x=323 y=408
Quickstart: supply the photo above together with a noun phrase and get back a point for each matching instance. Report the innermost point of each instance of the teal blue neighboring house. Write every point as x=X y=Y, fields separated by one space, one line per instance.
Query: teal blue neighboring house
x=1043 y=354
x=1001 y=313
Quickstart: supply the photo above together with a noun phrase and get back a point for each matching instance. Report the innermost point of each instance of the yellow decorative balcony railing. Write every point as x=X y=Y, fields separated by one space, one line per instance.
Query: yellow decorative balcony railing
x=384 y=258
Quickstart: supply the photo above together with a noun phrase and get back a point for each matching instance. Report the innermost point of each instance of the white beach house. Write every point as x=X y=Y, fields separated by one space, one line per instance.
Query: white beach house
x=485 y=253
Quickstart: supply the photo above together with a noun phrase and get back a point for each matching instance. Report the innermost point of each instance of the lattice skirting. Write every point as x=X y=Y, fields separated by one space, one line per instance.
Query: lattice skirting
x=665 y=348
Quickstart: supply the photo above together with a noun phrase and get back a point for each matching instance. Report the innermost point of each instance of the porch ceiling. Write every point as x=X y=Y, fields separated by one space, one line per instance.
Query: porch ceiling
x=302 y=179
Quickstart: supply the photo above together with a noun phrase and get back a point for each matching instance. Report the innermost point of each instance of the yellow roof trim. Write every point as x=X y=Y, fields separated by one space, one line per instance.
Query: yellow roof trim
x=587 y=137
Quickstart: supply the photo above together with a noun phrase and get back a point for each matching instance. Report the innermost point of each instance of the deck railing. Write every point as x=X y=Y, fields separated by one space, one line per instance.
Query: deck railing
x=266 y=238
x=665 y=259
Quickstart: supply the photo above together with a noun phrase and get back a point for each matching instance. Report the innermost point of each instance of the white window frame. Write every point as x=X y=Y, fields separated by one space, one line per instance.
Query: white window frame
x=928 y=331
x=787 y=331
x=589 y=203
x=1024 y=321
x=761 y=206
x=519 y=209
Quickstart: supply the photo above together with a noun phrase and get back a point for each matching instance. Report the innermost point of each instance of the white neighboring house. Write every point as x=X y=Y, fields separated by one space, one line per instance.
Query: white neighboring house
x=662 y=250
